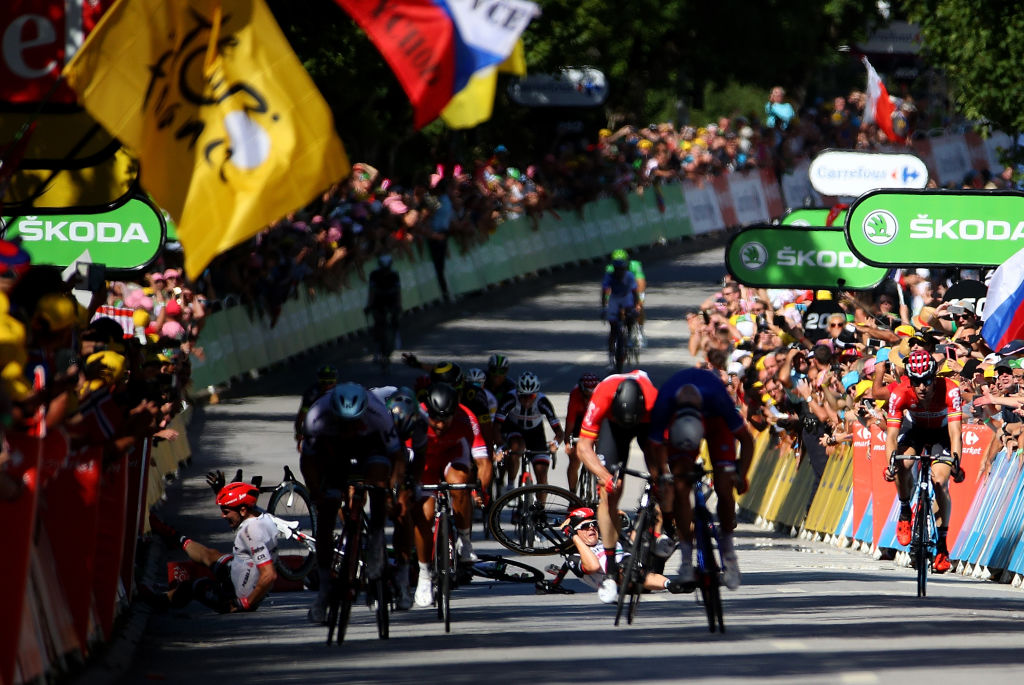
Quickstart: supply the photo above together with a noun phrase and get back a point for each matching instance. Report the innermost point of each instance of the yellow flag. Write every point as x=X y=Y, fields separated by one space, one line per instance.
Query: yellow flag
x=473 y=104
x=230 y=131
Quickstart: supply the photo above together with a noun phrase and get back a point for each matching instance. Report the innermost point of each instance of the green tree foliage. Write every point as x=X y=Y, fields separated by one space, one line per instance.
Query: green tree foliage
x=652 y=52
x=980 y=47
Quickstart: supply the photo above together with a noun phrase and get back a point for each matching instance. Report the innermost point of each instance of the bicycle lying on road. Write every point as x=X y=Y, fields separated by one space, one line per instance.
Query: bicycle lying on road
x=527 y=519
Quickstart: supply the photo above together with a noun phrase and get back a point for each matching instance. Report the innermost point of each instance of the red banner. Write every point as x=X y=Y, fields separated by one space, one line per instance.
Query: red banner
x=35 y=37
x=18 y=518
x=725 y=205
x=976 y=440
x=861 y=473
x=883 y=492
x=110 y=543
x=135 y=500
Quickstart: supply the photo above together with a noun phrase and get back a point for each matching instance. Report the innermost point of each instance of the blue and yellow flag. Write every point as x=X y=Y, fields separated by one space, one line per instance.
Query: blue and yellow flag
x=230 y=130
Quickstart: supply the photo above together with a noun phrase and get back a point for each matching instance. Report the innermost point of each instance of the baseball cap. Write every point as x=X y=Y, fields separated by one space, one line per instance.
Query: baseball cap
x=57 y=310
x=850 y=379
x=861 y=388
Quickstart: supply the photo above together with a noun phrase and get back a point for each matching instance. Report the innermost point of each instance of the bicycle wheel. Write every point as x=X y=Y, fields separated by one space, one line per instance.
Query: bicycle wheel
x=921 y=556
x=345 y=581
x=543 y=518
x=291 y=501
x=443 y=558
x=620 y=346
x=707 y=570
x=383 y=596
x=631 y=583
x=500 y=568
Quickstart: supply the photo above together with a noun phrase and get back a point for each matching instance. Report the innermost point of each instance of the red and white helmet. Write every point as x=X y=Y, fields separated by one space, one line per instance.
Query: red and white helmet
x=920 y=366
x=234 y=495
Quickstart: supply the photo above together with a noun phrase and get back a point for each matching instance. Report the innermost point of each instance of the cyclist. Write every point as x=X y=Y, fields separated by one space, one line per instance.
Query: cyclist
x=498 y=382
x=618 y=291
x=637 y=269
x=348 y=433
x=384 y=304
x=326 y=379
x=581 y=527
x=579 y=397
x=618 y=413
x=933 y=406
x=478 y=378
x=520 y=417
x=411 y=424
x=695 y=405
x=241 y=579
x=451 y=436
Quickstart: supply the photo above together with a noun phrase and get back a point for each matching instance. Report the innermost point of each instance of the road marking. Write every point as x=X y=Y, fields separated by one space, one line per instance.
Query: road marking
x=858 y=677
x=791 y=590
x=789 y=645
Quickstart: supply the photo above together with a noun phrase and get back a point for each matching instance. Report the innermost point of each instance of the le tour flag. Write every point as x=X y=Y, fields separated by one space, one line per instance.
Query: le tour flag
x=1004 y=304
x=435 y=47
x=230 y=130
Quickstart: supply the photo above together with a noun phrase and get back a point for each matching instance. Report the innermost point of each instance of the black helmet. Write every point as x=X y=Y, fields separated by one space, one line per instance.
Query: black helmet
x=328 y=373
x=442 y=401
x=687 y=430
x=404 y=410
x=628 y=403
x=447 y=372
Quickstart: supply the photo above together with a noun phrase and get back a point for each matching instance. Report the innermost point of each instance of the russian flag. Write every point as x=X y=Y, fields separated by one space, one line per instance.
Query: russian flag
x=436 y=46
x=1004 y=304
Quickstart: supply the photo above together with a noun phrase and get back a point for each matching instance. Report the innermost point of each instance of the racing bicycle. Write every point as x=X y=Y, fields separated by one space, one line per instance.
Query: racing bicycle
x=626 y=341
x=527 y=519
x=445 y=566
x=641 y=548
x=706 y=544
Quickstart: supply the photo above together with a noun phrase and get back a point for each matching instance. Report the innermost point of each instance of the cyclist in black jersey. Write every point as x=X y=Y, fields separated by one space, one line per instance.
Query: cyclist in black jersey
x=496 y=379
x=520 y=417
x=326 y=379
x=384 y=302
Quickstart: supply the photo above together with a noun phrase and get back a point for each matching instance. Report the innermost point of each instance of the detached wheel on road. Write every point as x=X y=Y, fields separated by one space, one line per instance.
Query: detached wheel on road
x=526 y=520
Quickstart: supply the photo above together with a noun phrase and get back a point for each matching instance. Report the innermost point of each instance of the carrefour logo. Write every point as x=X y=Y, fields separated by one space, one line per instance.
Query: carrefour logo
x=880 y=227
x=754 y=255
x=970 y=438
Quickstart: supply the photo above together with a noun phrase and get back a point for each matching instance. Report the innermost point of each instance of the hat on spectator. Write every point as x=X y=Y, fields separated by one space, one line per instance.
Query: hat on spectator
x=992 y=358
x=970 y=367
x=58 y=311
x=990 y=372
x=736 y=369
x=172 y=273
x=156 y=276
x=861 y=388
x=905 y=331
x=945 y=369
x=850 y=379
x=869 y=366
x=1011 y=348
x=922 y=318
x=747 y=328
x=14 y=260
x=739 y=354
x=173 y=308
x=883 y=354
x=1001 y=366
x=106 y=365
x=645 y=145
x=172 y=329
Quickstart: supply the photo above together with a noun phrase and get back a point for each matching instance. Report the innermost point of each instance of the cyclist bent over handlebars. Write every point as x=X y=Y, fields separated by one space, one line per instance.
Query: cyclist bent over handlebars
x=348 y=433
x=618 y=291
x=933 y=405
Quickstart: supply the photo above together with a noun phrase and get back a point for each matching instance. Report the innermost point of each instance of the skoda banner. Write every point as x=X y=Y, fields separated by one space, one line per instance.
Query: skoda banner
x=812 y=216
x=936 y=228
x=126 y=237
x=794 y=257
x=845 y=173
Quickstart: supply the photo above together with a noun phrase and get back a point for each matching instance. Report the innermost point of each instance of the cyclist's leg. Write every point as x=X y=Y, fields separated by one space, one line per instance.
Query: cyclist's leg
x=681 y=465
x=462 y=505
x=722 y=451
x=324 y=476
x=378 y=472
x=942 y=466
x=516 y=446
x=536 y=441
x=423 y=532
x=613 y=449
x=573 y=468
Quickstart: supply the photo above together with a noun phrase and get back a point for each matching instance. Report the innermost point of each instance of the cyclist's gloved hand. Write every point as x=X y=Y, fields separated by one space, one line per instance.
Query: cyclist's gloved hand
x=958 y=473
x=609 y=485
x=741 y=484
x=215 y=479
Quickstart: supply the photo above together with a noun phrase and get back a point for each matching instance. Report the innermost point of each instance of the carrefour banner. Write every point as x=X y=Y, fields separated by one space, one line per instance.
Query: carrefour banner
x=796 y=257
x=846 y=173
x=127 y=236
x=936 y=228
x=812 y=216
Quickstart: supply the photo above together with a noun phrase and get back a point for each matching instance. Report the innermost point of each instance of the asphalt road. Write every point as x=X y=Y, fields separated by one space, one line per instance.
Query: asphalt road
x=806 y=612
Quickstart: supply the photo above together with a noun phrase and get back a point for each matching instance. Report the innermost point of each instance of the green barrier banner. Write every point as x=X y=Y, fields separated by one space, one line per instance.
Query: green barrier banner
x=796 y=257
x=126 y=236
x=812 y=216
x=936 y=228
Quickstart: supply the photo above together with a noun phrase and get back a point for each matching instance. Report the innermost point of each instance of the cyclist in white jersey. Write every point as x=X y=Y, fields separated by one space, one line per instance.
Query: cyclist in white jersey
x=520 y=417
x=241 y=579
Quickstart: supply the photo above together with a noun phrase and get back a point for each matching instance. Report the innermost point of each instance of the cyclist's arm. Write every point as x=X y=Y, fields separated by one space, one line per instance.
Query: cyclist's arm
x=265 y=581
x=548 y=410
x=589 y=563
x=746 y=456
x=585 y=451
x=954 y=422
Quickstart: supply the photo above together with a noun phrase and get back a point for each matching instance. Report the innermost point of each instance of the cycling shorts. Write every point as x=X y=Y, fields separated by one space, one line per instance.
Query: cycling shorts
x=919 y=438
x=615 y=303
x=336 y=470
x=720 y=440
x=613 y=442
x=536 y=441
x=435 y=473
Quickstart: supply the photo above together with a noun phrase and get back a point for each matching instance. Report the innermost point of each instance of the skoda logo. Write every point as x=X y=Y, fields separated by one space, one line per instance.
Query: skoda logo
x=754 y=255
x=880 y=227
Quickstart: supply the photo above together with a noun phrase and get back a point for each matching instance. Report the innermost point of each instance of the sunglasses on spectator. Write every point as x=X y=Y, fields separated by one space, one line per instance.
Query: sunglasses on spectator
x=835 y=325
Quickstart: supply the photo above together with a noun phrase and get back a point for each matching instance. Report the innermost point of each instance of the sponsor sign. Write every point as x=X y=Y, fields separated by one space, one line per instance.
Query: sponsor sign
x=968 y=291
x=850 y=174
x=571 y=87
x=812 y=216
x=936 y=228
x=794 y=257
x=128 y=236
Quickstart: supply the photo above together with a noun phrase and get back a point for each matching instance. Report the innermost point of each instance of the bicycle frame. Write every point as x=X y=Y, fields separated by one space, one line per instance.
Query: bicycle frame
x=923 y=555
x=445 y=561
x=638 y=564
x=706 y=542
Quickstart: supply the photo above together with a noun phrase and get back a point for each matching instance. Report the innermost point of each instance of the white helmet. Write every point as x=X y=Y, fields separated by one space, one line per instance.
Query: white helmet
x=476 y=377
x=528 y=383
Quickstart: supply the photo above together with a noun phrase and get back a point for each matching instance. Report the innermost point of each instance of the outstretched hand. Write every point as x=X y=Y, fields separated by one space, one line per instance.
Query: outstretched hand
x=216 y=481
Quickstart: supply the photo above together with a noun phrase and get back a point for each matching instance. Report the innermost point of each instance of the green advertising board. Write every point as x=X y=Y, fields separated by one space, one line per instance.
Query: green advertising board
x=125 y=236
x=797 y=257
x=811 y=216
x=936 y=228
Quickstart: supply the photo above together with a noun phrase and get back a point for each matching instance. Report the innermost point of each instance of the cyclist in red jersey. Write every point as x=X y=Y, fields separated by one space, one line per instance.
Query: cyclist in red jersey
x=579 y=397
x=619 y=412
x=453 y=439
x=933 y=406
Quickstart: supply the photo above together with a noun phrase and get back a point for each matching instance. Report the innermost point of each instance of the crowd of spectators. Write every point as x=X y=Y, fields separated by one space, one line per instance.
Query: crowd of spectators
x=325 y=246
x=812 y=385
x=81 y=369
